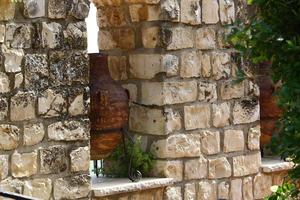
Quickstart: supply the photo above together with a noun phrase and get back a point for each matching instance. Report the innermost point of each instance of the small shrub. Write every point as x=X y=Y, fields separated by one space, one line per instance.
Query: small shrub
x=287 y=191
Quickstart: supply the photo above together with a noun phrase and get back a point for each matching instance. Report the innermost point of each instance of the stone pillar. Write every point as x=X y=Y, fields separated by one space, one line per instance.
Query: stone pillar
x=200 y=124
x=44 y=126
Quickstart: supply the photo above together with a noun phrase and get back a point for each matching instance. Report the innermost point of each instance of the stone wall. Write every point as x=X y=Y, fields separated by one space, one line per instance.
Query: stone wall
x=201 y=125
x=44 y=98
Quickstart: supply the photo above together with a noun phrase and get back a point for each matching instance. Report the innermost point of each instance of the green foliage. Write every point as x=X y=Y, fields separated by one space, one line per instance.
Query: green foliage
x=287 y=191
x=273 y=35
x=117 y=164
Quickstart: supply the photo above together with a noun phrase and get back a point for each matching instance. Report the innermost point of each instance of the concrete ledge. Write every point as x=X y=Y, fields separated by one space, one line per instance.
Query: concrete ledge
x=111 y=186
x=270 y=165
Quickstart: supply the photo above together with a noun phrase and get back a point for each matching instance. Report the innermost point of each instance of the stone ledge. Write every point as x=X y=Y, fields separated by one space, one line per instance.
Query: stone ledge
x=270 y=165
x=111 y=186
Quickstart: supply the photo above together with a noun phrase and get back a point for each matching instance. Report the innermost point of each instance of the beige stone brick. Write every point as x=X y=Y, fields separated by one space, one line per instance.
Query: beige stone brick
x=262 y=184
x=117 y=66
x=133 y=91
x=24 y=165
x=123 y=38
x=9 y=137
x=197 y=116
x=223 y=190
x=254 y=138
x=12 y=185
x=2 y=33
x=18 y=80
x=210 y=142
x=189 y=191
x=221 y=67
x=219 y=168
x=4 y=83
x=143 y=12
x=170 y=10
x=190 y=64
x=247 y=164
x=231 y=90
x=52 y=35
x=173 y=193
x=33 y=134
x=227 y=11
x=191 y=12
x=3 y=108
x=101 y=3
x=80 y=159
x=206 y=38
x=12 y=59
x=280 y=178
x=22 y=106
x=8 y=12
x=143 y=1
x=18 y=35
x=205 y=65
x=150 y=36
x=195 y=168
x=174 y=38
x=210 y=11
x=76 y=103
x=38 y=188
x=4 y=166
x=169 y=169
x=221 y=114
x=111 y=17
x=52 y=103
x=107 y=42
x=177 y=146
x=173 y=122
x=248 y=188
x=207 y=190
x=207 y=92
x=246 y=111
x=236 y=189
x=234 y=140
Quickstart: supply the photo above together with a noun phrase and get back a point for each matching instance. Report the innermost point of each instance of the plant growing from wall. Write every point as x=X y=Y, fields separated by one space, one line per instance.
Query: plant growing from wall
x=273 y=35
x=287 y=191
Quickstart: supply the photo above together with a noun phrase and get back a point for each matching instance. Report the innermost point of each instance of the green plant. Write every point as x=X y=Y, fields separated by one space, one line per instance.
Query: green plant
x=273 y=35
x=117 y=164
x=287 y=191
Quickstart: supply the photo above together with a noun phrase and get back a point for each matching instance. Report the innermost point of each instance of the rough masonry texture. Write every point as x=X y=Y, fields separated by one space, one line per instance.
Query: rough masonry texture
x=44 y=99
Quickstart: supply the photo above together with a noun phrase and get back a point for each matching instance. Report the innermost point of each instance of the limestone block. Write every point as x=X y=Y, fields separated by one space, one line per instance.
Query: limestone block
x=57 y=9
x=9 y=137
x=38 y=188
x=279 y=178
x=207 y=92
x=133 y=91
x=76 y=35
x=146 y=120
x=22 y=106
x=7 y=11
x=24 y=165
x=205 y=65
x=254 y=138
x=246 y=164
x=76 y=103
x=80 y=159
x=143 y=1
x=18 y=80
x=221 y=114
x=169 y=169
x=190 y=64
x=262 y=184
x=174 y=38
x=191 y=12
x=52 y=103
x=236 y=189
x=111 y=17
x=123 y=38
x=2 y=33
x=246 y=111
x=150 y=36
x=227 y=11
x=221 y=67
x=207 y=190
x=189 y=191
x=36 y=71
x=234 y=140
x=117 y=66
x=173 y=120
x=3 y=108
x=18 y=36
x=231 y=90
x=12 y=185
x=210 y=142
x=72 y=188
x=4 y=83
x=13 y=59
x=143 y=12
x=107 y=42
x=197 y=116
x=33 y=134
x=52 y=35
x=173 y=193
x=79 y=9
x=34 y=8
x=210 y=11
x=195 y=168
x=69 y=131
x=103 y=3
x=170 y=10
x=219 y=168
x=247 y=188
x=206 y=38
x=3 y=166
x=53 y=160
x=177 y=146
x=252 y=89
x=223 y=190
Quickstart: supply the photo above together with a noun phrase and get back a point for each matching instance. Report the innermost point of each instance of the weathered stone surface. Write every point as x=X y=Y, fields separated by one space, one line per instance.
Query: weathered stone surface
x=57 y=9
x=207 y=190
x=227 y=11
x=69 y=131
x=169 y=169
x=52 y=35
x=221 y=67
x=3 y=166
x=233 y=140
x=38 y=188
x=133 y=91
x=236 y=189
x=177 y=37
x=117 y=66
x=254 y=138
x=18 y=80
x=80 y=159
x=276 y=165
x=76 y=35
x=146 y=120
x=190 y=64
x=22 y=106
x=191 y=12
x=173 y=193
x=247 y=188
x=231 y=90
x=117 y=39
x=33 y=134
x=34 y=8
x=52 y=103
x=24 y=165
x=8 y=11
x=79 y=9
x=150 y=36
x=195 y=168
x=36 y=71
x=210 y=142
x=246 y=111
x=170 y=10
x=219 y=168
x=221 y=114
x=53 y=160
x=189 y=191
x=13 y=59
x=280 y=178
x=206 y=38
x=3 y=108
x=197 y=116
x=12 y=185
x=4 y=83
x=247 y=164
x=223 y=190
x=9 y=137
x=112 y=16
x=18 y=35
x=210 y=11
x=142 y=12
x=207 y=92
x=72 y=188
x=262 y=184
x=76 y=102
x=173 y=120
x=2 y=33
x=176 y=146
